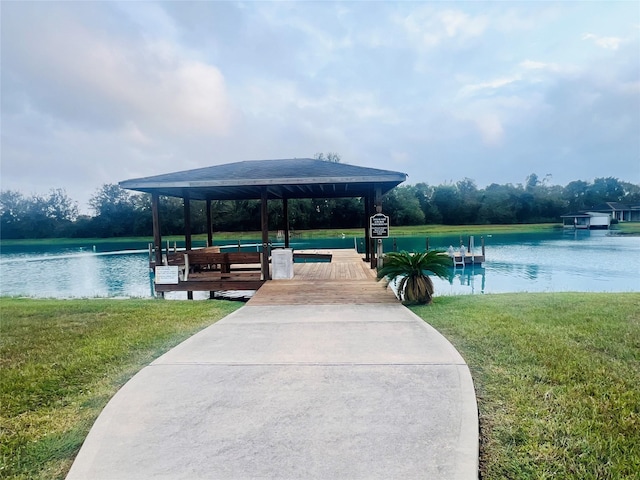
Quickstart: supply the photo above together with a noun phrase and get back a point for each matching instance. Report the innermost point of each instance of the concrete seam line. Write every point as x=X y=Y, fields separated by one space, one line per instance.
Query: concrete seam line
x=309 y=364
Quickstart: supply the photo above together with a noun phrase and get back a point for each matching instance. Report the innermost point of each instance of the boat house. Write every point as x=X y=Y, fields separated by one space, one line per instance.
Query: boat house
x=586 y=220
x=208 y=269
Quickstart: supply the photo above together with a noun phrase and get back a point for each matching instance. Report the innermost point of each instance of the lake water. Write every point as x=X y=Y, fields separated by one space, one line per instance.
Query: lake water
x=580 y=261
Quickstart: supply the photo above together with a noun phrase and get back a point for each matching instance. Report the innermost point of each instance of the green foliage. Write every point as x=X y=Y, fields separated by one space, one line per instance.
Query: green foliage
x=37 y=216
x=412 y=269
x=329 y=157
x=122 y=213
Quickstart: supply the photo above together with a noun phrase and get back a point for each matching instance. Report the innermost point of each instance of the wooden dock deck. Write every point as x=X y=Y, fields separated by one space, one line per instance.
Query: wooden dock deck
x=347 y=279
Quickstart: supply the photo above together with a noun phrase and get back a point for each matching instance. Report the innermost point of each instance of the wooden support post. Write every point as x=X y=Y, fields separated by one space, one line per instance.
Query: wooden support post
x=285 y=213
x=187 y=220
x=376 y=247
x=187 y=229
x=210 y=235
x=367 y=239
x=157 y=237
x=209 y=225
x=427 y=244
x=264 y=218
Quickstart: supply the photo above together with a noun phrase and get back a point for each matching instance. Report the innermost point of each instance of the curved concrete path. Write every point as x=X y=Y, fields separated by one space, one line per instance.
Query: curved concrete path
x=294 y=392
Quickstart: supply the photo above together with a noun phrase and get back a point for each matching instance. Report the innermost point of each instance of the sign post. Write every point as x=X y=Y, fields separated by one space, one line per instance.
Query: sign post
x=379 y=229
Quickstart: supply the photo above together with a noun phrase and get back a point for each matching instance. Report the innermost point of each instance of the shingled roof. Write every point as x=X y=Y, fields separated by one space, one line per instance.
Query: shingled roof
x=284 y=178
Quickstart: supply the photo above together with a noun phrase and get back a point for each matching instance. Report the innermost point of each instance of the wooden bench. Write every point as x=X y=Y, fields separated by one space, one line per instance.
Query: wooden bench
x=231 y=265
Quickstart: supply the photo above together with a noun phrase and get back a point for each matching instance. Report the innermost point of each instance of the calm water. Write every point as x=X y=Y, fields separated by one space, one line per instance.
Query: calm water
x=560 y=261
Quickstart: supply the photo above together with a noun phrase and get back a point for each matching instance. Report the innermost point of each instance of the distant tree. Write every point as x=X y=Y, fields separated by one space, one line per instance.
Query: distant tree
x=604 y=190
x=424 y=194
x=532 y=182
x=575 y=195
x=447 y=200
x=118 y=212
x=499 y=204
x=13 y=208
x=469 y=201
x=37 y=216
x=60 y=207
x=631 y=192
x=403 y=206
x=329 y=157
x=346 y=213
x=115 y=210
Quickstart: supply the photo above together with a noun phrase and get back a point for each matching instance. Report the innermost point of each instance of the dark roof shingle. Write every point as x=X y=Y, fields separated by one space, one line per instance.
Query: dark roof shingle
x=284 y=178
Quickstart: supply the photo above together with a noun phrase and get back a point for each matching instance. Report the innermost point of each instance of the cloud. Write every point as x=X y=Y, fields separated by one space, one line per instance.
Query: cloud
x=97 y=92
x=80 y=73
x=547 y=67
x=431 y=27
x=490 y=86
x=610 y=43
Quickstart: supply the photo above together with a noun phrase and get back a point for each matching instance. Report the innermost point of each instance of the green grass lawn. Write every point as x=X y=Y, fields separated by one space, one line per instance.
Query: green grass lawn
x=62 y=360
x=557 y=378
x=557 y=375
x=418 y=230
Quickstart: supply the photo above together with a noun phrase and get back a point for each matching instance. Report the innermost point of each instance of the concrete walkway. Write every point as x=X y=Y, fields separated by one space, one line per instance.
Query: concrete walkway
x=294 y=392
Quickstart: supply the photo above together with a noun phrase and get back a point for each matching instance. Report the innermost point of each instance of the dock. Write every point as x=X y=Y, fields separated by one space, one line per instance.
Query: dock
x=319 y=276
x=324 y=376
x=346 y=279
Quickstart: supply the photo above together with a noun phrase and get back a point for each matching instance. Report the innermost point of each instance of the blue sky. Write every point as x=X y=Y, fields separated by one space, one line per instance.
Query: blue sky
x=98 y=92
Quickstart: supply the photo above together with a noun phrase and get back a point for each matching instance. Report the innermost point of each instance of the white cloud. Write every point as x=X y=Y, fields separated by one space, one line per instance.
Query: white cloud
x=432 y=27
x=97 y=92
x=547 y=67
x=610 y=43
x=492 y=85
x=81 y=74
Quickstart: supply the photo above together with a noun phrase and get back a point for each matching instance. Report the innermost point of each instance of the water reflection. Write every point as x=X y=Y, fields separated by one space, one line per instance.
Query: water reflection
x=561 y=261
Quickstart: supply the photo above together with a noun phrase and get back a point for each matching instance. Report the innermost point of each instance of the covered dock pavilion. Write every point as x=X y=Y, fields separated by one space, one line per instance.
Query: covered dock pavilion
x=264 y=180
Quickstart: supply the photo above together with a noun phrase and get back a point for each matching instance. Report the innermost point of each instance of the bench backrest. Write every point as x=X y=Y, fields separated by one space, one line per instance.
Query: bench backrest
x=205 y=258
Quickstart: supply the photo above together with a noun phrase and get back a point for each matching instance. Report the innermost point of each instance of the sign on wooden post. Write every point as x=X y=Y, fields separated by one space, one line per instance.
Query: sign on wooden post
x=379 y=226
x=167 y=274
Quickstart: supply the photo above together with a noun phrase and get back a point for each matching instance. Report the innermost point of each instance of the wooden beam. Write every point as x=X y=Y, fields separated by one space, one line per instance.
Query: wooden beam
x=209 y=225
x=285 y=213
x=187 y=220
x=187 y=228
x=264 y=219
x=367 y=240
x=157 y=237
x=210 y=285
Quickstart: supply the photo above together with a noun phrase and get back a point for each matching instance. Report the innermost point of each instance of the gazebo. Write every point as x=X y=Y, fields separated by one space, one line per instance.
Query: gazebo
x=266 y=180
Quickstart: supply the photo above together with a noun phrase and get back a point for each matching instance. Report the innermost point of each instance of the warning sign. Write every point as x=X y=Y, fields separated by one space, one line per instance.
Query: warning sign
x=379 y=226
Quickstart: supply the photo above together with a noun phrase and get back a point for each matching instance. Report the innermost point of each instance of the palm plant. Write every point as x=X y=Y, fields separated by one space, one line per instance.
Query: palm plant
x=415 y=286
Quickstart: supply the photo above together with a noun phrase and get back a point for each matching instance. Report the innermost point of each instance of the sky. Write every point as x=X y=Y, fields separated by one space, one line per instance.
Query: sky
x=99 y=92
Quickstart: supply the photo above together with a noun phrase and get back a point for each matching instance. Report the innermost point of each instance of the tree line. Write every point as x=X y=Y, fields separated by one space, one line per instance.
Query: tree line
x=118 y=212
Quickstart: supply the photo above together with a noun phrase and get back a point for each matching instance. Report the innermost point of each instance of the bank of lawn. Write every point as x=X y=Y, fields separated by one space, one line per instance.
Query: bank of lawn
x=557 y=375
x=626 y=228
x=557 y=378
x=416 y=230
x=62 y=360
